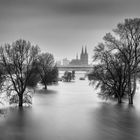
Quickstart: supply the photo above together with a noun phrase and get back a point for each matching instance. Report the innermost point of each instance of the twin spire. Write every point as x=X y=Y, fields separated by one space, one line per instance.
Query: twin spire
x=85 y=50
x=82 y=52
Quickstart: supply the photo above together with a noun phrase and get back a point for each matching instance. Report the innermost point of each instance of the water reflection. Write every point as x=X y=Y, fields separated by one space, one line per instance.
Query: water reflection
x=70 y=111
x=116 y=122
x=42 y=91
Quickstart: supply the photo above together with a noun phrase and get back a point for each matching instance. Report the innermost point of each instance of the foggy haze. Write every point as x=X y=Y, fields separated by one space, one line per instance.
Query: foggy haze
x=63 y=26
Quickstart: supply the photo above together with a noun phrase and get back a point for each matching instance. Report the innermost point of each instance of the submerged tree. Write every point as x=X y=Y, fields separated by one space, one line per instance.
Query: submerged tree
x=34 y=77
x=17 y=60
x=47 y=69
x=125 y=45
x=2 y=80
x=129 y=33
x=109 y=74
x=73 y=75
x=67 y=77
x=2 y=75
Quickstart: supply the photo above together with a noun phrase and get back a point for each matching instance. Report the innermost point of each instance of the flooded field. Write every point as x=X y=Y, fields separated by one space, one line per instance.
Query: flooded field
x=71 y=111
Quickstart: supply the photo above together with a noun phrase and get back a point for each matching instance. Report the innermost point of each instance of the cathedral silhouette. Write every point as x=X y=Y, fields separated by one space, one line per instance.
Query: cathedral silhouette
x=82 y=61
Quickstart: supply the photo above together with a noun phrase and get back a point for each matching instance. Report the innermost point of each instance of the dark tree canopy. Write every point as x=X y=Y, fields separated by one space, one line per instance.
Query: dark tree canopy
x=47 y=69
x=34 y=77
x=67 y=76
x=110 y=74
x=119 y=58
x=17 y=59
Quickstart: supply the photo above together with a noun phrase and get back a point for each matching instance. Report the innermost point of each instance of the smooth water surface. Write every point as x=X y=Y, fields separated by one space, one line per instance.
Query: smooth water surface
x=71 y=111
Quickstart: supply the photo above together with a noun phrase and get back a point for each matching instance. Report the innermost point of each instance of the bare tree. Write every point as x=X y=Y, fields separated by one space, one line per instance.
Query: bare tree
x=47 y=69
x=126 y=43
x=129 y=33
x=17 y=60
x=109 y=74
x=34 y=77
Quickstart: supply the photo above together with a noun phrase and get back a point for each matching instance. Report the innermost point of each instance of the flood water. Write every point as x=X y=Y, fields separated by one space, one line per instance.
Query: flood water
x=71 y=111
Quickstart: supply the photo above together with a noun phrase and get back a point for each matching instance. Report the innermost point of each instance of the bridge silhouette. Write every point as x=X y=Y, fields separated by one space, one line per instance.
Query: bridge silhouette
x=75 y=68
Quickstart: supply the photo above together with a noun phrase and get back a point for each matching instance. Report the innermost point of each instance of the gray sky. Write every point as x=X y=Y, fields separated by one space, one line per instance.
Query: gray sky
x=63 y=26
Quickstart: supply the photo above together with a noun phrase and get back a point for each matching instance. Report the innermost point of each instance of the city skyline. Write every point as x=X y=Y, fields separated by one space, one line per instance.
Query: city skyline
x=79 y=57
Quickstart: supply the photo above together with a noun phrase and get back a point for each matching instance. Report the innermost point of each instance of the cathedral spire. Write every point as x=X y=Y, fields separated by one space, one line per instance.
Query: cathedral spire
x=77 y=56
x=82 y=50
x=85 y=49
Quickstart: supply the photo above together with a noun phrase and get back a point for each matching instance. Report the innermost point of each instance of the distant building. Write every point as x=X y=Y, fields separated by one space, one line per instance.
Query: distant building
x=58 y=63
x=65 y=62
x=83 y=61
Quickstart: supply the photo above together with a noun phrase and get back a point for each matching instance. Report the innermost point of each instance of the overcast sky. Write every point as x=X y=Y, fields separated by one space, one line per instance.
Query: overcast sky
x=63 y=26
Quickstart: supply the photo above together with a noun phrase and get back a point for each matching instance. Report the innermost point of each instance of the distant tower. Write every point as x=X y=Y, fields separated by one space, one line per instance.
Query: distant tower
x=82 y=50
x=82 y=56
x=86 y=56
x=77 y=56
x=85 y=50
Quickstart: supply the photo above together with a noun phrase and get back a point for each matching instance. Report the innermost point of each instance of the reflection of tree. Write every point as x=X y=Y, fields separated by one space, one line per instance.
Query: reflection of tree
x=115 y=122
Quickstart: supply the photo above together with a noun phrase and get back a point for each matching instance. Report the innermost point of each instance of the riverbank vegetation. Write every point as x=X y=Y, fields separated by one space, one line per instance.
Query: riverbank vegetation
x=19 y=63
x=47 y=69
x=118 y=58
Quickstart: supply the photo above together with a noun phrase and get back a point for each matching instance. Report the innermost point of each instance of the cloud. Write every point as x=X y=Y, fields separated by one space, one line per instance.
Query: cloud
x=66 y=8
x=61 y=23
x=92 y=7
x=84 y=7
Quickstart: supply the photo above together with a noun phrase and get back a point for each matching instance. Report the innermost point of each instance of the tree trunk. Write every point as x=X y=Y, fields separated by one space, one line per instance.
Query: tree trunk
x=45 y=86
x=133 y=91
x=134 y=85
x=20 y=100
x=131 y=99
x=119 y=100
